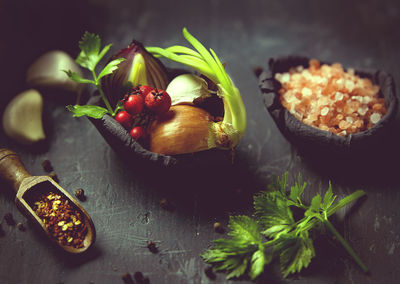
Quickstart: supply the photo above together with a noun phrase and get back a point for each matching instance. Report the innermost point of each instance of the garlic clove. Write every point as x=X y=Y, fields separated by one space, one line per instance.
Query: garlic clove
x=22 y=118
x=186 y=88
x=47 y=71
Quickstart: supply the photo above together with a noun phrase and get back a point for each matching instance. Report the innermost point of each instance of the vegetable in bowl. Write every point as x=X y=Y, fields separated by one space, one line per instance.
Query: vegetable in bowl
x=186 y=127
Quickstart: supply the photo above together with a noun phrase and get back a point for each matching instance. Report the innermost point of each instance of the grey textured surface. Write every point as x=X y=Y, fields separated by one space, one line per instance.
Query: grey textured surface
x=124 y=200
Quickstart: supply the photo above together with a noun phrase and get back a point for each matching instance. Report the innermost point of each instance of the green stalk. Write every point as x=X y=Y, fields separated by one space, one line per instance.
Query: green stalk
x=345 y=245
x=208 y=64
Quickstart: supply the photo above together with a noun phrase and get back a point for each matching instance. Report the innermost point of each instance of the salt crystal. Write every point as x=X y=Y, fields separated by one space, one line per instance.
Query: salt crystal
x=339 y=81
x=375 y=117
x=299 y=68
x=349 y=119
x=338 y=96
x=306 y=92
x=349 y=85
x=366 y=100
x=278 y=77
x=362 y=110
x=285 y=78
x=325 y=111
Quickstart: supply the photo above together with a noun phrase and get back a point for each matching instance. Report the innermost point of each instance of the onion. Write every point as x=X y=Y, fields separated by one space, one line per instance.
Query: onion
x=183 y=129
x=189 y=129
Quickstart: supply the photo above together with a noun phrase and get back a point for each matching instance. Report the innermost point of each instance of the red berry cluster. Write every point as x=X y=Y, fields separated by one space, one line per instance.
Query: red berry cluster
x=139 y=100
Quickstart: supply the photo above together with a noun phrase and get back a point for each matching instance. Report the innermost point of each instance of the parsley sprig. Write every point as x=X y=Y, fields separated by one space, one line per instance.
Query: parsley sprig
x=273 y=232
x=89 y=56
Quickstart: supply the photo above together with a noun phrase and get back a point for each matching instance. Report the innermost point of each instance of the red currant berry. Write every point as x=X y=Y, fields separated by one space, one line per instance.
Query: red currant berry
x=158 y=101
x=137 y=132
x=144 y=90
x=134 y=104
x=124 y=118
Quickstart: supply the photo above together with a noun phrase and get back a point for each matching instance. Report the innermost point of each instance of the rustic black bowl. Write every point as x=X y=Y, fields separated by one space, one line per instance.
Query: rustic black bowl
x=314 y=140
x=133 y=153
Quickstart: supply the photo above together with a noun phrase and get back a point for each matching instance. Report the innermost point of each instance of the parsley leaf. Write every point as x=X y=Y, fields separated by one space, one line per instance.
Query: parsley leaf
x=87 y=110
x=273 y=214
x=273 y=232
x=243 y=250
x=89 y=56
x=295 y=252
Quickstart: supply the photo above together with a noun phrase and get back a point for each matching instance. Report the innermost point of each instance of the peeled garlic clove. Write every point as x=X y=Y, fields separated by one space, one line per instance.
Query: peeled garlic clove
x=22 y=118
x=47 y=71
x=186 y=88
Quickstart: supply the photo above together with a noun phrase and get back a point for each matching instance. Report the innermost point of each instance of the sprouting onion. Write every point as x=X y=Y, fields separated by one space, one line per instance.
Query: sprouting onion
x=230 y=130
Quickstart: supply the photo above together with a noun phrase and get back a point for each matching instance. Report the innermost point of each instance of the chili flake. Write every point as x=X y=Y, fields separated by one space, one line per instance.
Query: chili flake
x=62 y=220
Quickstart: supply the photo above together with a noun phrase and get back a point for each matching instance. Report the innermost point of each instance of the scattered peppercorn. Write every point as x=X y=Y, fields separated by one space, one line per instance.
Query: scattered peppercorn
x=257 y=71
x=64 y=223
x=54 y=176
x=46 y=164
x=210 y=273
x=8 y=217
x=152 y=247
x=166 y=205
x=218 y=228
x=80 y=194
x=21 y=226
x=127 y=278
x=140 y=278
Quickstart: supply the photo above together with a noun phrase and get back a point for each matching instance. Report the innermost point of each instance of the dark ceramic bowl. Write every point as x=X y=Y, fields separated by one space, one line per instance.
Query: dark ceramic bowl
x=308 y=138
x=135 y=154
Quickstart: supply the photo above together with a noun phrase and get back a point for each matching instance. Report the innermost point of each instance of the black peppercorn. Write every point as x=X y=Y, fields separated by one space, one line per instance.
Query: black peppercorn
x=127 y=278
x=152 y=247
x=80 y=194
x=218 y=227
x=54 y=176
x=210 y=273
x=9 y=219
x=46 y=164
x=21 y=226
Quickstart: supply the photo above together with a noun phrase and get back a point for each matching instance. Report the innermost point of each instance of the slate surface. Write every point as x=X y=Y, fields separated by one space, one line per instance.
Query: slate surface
x=124 y=200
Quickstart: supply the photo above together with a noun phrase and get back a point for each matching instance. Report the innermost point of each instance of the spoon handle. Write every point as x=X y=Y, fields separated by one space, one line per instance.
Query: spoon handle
x=12 y=170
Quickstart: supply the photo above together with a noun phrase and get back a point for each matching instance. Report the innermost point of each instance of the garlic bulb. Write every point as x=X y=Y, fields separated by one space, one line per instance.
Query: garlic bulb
x=48 y=71
x=22 y=118
x=186 y=88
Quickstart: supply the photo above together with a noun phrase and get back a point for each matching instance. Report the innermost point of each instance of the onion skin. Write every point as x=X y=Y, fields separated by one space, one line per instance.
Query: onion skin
x=183 y=129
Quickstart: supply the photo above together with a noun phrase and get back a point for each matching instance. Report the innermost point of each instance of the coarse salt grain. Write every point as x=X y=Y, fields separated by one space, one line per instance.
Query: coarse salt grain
x=325 y=111
x=285 y=78
x=306 y=92
x=327 y=92
x=375 y=117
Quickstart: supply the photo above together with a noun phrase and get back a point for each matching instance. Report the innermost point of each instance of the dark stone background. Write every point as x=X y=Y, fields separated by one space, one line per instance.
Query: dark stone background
x=124 y=201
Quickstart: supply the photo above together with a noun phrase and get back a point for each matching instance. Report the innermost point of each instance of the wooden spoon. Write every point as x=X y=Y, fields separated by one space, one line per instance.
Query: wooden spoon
x=27 y=186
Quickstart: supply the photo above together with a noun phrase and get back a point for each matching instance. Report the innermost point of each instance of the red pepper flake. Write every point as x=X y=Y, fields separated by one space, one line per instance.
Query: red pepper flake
x=64 y=223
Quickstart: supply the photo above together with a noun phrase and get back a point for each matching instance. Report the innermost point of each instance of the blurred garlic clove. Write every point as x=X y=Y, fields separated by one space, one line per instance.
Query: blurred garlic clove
x=47 y=71
x=186 y=88
x=22 y=118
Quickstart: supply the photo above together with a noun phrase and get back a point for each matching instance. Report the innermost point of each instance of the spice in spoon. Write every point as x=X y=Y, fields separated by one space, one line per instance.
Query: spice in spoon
x=62 y=220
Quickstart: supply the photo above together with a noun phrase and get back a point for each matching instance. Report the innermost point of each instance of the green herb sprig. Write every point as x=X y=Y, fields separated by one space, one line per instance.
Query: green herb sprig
x=90 y=55
x=273 y=232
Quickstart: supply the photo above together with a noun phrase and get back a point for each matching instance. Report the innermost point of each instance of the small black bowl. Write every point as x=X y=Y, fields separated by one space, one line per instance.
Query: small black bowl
x=312 y=140
x=133 y=153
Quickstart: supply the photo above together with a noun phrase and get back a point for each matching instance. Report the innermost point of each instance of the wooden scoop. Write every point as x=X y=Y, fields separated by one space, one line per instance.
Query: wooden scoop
x=27 y=187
